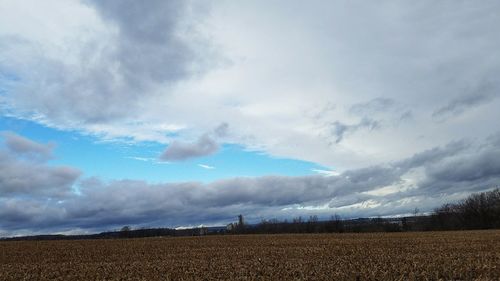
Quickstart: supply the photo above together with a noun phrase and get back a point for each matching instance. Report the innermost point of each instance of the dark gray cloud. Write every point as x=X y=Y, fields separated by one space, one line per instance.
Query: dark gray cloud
x=434 y=155
x=150 y=44
x=339 y=129
x=27 y=148
x=31 y=176
x=144 y=46
x=464 y=172
x=20 y=178
x=375 y=105
x=179 y=151
x=485 y=93
x=205 y=145
x=221 y=130
x=116 y=203
x=407 y=115
x=384 y=110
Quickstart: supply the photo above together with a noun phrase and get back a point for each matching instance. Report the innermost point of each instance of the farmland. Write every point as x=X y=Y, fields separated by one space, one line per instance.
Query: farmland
x=467 y=255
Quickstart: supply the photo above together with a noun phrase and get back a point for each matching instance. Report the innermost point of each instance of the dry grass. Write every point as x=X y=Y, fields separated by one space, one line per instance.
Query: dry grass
x=472 y=255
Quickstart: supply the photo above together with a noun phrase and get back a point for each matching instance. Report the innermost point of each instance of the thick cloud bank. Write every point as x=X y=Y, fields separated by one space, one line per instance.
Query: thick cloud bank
x=38 y=198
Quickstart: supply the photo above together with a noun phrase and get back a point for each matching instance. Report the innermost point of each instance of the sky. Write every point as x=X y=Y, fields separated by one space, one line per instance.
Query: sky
x=184 y=113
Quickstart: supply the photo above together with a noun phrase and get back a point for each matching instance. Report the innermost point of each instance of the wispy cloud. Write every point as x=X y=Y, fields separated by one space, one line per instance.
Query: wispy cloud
x=208 y=167
x=461 y=104
x=147 y=159
x=339 y=129
x=328 y=173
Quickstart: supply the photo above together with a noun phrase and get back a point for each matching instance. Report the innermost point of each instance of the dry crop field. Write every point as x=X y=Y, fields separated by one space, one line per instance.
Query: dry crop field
x=468 y=255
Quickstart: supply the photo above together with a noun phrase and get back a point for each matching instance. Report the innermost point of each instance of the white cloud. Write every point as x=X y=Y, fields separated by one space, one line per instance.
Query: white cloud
x=207 y=167
x=301 y=89
x=143 y=159
x=147 y=159
x=326 y=173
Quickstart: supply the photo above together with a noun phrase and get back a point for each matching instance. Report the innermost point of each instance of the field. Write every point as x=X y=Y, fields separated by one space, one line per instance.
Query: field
x=471 y=255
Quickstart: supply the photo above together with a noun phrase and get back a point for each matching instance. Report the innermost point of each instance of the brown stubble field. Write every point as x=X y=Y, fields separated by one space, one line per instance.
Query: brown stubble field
x=468 y=255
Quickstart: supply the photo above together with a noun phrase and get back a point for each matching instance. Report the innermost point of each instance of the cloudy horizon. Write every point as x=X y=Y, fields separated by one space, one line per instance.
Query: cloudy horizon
x=181 y=113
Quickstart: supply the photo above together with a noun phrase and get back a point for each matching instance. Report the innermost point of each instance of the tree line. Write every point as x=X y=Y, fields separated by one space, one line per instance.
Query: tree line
x=478 y=211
